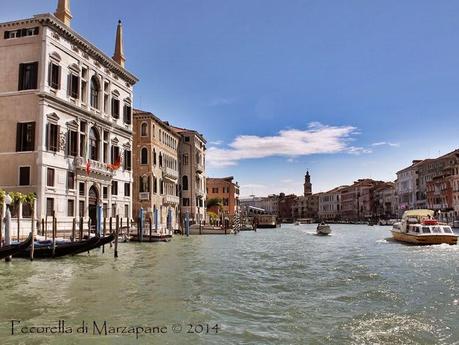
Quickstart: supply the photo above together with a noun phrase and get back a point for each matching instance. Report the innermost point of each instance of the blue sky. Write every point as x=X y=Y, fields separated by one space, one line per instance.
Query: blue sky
x=252 y=75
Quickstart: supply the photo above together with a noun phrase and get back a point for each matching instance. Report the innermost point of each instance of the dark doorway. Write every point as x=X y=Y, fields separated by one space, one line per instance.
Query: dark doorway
x=93 y=198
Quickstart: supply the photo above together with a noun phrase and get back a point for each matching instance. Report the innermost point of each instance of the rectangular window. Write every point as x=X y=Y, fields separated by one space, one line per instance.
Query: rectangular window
x=81 y=188
x=52 y=139
x=25 y=137
x=116 y=108
x=28 y=76
x=186 y=202
x=105 y=192
x=50 y=177
x=84 y=90
x=115 y=154
x=114 y=188
x=144 y=184
x=72 y=145
x=127 y=189
x=71 y=208
x=74 y=86
x=54 y=76
x=126 y=211
x=127 y=160
x=113 y=210
x=49 y=206
x=81 y=208
x=24 y=176
x=70 y=180
x=127 y=115
x=21 y=33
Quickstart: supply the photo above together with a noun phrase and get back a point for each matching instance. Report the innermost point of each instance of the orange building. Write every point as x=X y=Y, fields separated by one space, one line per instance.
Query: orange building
x=227 y=192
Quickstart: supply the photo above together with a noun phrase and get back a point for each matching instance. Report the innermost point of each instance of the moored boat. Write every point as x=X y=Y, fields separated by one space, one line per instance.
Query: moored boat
x=44 y=249
x=13 y=249
x=323 y=229
x=420 y=227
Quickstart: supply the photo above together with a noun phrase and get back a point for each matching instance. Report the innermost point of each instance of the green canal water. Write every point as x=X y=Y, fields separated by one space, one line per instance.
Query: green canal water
x=274 y=286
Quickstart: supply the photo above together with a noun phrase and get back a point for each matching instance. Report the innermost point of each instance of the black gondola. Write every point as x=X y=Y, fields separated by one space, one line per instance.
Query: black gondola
x=12 y=249
x=45 y=249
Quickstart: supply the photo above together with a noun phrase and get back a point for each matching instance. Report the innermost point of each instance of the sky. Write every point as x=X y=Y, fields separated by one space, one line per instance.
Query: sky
x=344 y=89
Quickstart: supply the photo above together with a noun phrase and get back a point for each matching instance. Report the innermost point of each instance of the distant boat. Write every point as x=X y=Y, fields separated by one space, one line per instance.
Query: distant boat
x=323 y=229
x=297 y=223
x=419 y=227
x=13 y=249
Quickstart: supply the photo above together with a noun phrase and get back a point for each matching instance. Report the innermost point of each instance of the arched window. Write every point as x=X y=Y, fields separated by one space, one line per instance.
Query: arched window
x=95 y=92
x=185 y=182
x=154 y=157
x=160 y=159
x=144 y=156
x=94 y=140
x=143 y=129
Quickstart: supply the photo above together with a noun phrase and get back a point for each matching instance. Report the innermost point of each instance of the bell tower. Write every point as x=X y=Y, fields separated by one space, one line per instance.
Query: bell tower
x=307 y=184
x=63 y=11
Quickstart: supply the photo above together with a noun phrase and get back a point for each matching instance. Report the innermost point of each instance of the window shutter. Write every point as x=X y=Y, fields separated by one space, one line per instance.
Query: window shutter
x=59 y=77
x=47 y=136
x=58 y=141
x=34 y=75
x=21 y=76
x=69 y=85
x=33 y=136
x=50 y=73
x=18 y=137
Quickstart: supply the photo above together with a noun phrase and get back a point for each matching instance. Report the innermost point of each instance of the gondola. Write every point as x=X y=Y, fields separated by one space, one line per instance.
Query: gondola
x=44 y=249
x=12 y=249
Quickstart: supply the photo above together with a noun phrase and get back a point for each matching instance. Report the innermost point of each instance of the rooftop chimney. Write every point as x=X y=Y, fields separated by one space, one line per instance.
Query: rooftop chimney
x=119 y=51
x=63 y=11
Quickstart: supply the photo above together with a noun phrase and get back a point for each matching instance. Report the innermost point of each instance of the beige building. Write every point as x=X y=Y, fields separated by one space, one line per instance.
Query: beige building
x=65 y=117
x=226 y=190
x=192 y=168
x=155 y=161
x=330 y=204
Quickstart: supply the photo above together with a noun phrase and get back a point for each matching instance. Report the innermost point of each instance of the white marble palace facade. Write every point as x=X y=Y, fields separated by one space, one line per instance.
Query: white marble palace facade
x=65 y=118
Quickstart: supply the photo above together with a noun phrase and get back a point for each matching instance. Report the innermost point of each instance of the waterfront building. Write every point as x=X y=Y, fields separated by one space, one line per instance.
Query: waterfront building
x=225 y=190
x=330 y=204
x=269 y=204
x=357 y=200
x=192 y=169
x=285 y=205
x=385 y=201
x=65 y=119
x=306 y=207
x=155 y=162
x=406 y=187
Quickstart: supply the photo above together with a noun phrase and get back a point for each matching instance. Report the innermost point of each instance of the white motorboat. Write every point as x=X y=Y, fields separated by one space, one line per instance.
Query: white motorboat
x=420 y=227
x=323 y=229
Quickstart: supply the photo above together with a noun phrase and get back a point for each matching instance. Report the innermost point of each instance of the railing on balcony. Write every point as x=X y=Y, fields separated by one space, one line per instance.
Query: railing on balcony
x=170 y=173
x=94 y=166
x=199 y=168
x=144 y=196
x=171 y=200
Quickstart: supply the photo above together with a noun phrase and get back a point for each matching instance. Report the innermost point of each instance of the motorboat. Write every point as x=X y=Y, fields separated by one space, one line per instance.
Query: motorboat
x=323 y=229
x=420 y=227
x=297 y=223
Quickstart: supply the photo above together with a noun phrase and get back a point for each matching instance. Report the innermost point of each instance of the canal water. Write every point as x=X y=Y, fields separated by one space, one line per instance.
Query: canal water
x=273 y=286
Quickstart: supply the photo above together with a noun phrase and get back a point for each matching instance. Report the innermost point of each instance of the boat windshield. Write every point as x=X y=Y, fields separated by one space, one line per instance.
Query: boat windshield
x=436 y=230
x=425 y=230
x=447 y=230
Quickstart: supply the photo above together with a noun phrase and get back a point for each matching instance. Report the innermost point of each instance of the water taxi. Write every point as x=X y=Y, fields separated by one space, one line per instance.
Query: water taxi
x=323 y=229
x=420 y=227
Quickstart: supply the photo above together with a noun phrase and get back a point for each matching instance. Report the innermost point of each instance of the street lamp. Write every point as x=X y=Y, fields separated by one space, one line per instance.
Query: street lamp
x=8 y=201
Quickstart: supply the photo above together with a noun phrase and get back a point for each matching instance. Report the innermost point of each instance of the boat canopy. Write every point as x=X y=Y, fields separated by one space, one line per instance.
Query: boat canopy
x=421 y=213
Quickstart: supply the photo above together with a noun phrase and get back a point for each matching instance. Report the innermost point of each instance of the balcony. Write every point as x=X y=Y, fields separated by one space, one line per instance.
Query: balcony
x=95 y=167
x=144 y=196
x=199 y=168
x=170 y=174
x=200 y=193
x=171 y=200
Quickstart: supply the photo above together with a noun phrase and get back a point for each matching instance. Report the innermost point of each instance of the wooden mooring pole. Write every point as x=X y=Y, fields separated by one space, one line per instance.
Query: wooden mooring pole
x=54 y=233
x=81 y=229
x=103 y=233
x=116 y=235
x=73 y=229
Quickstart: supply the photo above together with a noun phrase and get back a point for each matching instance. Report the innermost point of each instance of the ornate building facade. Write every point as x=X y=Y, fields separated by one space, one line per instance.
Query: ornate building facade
x=65 y=118
x=155 y=161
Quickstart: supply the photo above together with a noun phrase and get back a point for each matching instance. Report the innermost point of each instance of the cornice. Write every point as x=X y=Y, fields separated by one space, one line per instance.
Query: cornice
x=85 y=46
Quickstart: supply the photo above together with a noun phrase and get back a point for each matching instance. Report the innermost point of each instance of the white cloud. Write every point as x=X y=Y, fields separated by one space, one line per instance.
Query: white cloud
x=317 y=138
x=216 y=142
x=381 y=143
x=221 y=101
